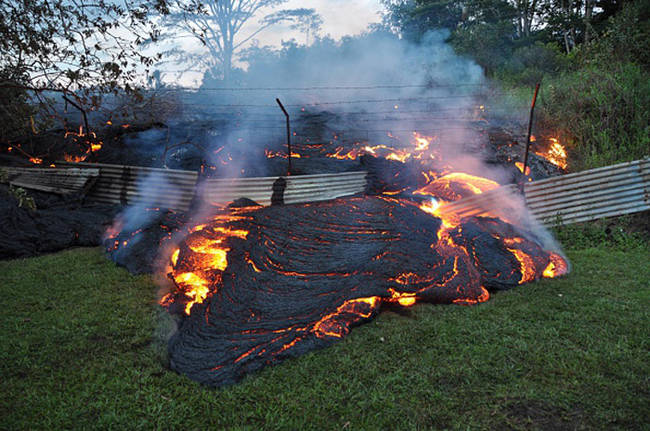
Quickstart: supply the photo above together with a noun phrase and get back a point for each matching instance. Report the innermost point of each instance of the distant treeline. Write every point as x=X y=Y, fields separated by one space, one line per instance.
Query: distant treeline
x=592 y=58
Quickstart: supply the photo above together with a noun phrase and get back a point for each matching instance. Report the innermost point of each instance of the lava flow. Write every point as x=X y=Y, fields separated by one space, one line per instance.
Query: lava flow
x=259 y=284
x=255 y=285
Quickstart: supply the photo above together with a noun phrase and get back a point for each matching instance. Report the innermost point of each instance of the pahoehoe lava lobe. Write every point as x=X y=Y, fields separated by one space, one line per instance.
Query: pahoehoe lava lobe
x=305 y=274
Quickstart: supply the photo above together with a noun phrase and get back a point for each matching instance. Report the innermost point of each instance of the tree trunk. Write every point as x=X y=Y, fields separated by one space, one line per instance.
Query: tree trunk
x=566 y=42
x=227 y=64
x=589 y=8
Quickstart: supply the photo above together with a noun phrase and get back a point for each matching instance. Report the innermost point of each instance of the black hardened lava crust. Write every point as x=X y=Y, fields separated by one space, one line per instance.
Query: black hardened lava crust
x=306 y=273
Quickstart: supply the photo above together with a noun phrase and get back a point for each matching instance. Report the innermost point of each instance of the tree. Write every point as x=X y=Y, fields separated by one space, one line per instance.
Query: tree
x=527 y=12
x=413 y=18
x=224 y=27
x=75 y=48
x=573 y=22
x=68 y=45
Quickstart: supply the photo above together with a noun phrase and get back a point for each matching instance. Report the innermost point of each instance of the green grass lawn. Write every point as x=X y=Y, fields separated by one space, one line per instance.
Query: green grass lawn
x=78 y=350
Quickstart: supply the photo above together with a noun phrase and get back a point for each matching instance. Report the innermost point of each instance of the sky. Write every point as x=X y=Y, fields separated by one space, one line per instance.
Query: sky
x=340 y=18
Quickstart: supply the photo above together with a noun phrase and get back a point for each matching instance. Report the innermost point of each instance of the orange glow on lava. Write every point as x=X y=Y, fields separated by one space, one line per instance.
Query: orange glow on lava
x=434 y=207
x=556 y=267
x=328 y=326
x=174 y=257
x=520 y=166
x=526 y=262
x=271 y=154
x=208 y=252
x=74 y=159
x=402 y=298
x=420 y=142
x=456 y=185
x=194 y=287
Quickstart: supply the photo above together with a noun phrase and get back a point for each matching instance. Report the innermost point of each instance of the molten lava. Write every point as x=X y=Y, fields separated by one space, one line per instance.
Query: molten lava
x=256 y=285
x=520 y=166
x=420 y=143
x=457 y=185
x=204 y=255
x=271 y=154
x=89 y=141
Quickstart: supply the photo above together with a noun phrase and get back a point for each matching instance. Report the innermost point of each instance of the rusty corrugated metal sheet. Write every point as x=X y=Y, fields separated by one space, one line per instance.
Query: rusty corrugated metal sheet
x=299 y=188
x=52 y=180
x=597 y=193
x=117 y=184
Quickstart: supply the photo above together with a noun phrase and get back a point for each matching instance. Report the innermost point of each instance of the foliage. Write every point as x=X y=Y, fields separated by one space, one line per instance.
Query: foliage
x=224 y=28
x=626 y=38
x=591 y=56
x=485 y=44
x=82 y=346
x=16 y=113
x=76 y=50
x=494 y=31
x=529 y=64
x=625 y=233
x=66 y=45
x=24 y=200
x=600 y=111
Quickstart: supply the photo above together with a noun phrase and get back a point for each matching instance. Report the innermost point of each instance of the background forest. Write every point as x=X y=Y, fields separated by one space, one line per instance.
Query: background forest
x=591 y=58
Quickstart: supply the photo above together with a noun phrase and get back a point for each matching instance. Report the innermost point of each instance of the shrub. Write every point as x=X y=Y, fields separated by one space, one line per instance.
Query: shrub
x=24 y=200
x=528 y=64
x=601 y=112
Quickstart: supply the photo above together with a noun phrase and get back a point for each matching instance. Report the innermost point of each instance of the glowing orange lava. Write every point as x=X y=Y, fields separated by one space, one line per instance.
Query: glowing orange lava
x=526 y=262
x=207 y=253
x=555 y=154
x=88 y=140
x=420 y=142
x=520 y=166
x=271 y=154
x=329 y=326
x=556 y=267
x=402 y=298
x=174 y=257
x=457 y=185
x=74 y=159
x=194 y=287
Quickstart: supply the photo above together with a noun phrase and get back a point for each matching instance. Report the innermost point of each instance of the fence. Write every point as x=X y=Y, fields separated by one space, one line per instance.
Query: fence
x=175 y=189
x=597 y=193
x=583 y=196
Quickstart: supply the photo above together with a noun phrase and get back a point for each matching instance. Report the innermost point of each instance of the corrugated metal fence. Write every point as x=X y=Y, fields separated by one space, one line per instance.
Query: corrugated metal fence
x=589 y=195
x=175 y=189
x=118 y=184
x=582 y=196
